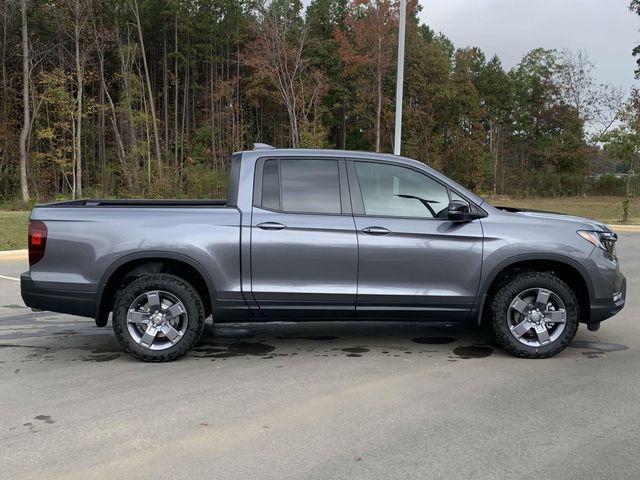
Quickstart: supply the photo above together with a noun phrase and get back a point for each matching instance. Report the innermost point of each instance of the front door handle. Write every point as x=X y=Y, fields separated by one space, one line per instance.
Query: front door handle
x=271 y=226
x=376 y=231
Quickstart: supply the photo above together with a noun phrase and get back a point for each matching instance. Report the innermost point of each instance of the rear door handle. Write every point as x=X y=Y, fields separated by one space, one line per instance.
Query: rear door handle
x=376 y=231
x=271 y=226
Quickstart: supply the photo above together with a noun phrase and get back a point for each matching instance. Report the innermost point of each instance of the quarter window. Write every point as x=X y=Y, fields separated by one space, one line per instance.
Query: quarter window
x=390 y=190
x=270 y=185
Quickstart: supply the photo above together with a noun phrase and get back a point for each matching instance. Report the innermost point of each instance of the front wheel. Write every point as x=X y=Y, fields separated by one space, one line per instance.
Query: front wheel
x=158 y=317
x=535 y=315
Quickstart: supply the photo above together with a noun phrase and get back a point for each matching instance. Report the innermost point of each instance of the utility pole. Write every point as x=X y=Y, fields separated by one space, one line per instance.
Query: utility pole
x=400 y=77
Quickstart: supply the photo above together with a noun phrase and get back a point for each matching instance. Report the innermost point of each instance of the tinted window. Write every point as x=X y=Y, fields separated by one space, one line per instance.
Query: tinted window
x=270 y=185
x=389 y=190
x=310 y=186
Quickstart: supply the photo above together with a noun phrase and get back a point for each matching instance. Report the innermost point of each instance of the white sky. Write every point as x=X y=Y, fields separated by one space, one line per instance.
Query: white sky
x=606 y=29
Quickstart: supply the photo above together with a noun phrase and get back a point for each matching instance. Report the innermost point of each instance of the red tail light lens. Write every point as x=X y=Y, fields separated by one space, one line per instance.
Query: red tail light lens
x=37 y=241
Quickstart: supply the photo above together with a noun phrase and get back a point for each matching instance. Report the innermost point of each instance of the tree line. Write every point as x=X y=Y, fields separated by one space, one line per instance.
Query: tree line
x=150 y=97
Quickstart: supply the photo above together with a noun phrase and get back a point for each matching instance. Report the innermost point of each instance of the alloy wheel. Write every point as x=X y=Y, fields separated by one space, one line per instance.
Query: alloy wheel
x=157 y=320
x=536 y=317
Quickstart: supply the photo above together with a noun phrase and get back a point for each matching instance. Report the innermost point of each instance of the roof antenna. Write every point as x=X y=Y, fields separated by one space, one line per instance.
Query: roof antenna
x=263 y=146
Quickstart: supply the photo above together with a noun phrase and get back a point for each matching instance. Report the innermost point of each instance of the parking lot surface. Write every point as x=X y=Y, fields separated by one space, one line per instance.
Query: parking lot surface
x=317 y=400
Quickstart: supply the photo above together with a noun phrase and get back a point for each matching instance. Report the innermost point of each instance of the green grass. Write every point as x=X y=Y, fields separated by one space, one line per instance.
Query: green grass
x=605 y=209
x=13 y=224
x=13 y=230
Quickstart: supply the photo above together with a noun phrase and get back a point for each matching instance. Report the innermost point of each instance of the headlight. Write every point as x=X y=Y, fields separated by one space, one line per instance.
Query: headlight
x=601 y=239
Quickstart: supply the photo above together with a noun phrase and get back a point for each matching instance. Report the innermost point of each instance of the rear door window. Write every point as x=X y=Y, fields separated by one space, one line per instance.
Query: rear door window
x=301 y=186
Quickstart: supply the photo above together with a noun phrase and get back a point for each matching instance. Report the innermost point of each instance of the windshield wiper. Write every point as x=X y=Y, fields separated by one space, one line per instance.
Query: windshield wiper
x=423 y=201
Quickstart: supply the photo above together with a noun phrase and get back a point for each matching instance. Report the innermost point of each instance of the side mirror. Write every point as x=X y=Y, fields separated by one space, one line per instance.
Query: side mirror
x=458 y=211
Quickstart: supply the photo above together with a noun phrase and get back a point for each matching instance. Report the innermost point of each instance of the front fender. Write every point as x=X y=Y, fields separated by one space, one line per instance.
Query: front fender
x=491 y=274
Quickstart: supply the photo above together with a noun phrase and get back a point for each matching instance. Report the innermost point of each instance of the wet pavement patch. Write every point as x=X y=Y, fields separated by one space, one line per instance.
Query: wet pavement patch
x=354 y=351
x=28 y=334
x=13 y=345
x=434 y=340
x=44 y=418
x=249 y=348
x=473 y=351
x=594 y=354
x=28 y=318
x=237 y=349
x=315 y=338
x=100 y=358
x=599 y=346
x=230 y=332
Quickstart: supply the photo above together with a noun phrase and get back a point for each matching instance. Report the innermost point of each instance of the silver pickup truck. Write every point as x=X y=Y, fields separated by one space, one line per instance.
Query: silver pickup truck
x=322 y=235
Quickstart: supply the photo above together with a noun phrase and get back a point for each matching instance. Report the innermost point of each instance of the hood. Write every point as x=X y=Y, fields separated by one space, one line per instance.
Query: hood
x=586 y=223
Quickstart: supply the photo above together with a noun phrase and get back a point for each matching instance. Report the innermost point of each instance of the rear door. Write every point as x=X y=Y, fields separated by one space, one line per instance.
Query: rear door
x=413 y=261
x=304 y=252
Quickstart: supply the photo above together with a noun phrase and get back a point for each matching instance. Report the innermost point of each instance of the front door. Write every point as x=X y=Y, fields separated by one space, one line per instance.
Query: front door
x=413 y=261
x=304 y=252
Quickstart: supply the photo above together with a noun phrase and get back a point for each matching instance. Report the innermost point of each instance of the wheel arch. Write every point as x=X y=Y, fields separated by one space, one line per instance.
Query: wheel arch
x=566 y=268
x=124 y=270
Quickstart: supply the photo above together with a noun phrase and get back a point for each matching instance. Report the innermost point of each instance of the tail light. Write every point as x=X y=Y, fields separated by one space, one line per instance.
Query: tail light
x=37 y=241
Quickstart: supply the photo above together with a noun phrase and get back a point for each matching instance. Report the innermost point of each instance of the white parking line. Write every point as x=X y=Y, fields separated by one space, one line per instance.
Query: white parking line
x=10 y=278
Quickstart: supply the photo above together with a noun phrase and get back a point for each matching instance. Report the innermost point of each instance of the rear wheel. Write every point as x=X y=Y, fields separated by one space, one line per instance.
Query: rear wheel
x=535 y=315
x=158 y=317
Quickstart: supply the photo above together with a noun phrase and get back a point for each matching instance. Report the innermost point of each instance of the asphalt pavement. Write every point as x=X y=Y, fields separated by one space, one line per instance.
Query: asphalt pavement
x=317 y=401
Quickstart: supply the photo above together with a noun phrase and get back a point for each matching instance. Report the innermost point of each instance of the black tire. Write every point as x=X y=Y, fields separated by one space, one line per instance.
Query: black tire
x=175 y=286
x=499 y=307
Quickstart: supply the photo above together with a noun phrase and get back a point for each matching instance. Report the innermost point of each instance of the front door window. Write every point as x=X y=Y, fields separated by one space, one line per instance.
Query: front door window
x=393 y=191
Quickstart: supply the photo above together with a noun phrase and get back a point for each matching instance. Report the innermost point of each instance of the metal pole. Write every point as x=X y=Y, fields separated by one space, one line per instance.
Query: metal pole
x=400 y=77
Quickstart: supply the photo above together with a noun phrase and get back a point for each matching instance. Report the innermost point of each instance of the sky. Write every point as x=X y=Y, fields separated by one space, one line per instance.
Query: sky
x=605 y=29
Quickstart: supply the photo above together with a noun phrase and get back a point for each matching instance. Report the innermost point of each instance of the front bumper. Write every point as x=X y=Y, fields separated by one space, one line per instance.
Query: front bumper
x=608 y=290
x=61 y=300
x=602 y=309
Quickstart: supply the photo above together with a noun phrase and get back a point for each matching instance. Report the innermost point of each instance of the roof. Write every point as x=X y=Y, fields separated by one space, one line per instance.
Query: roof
x=262 y=149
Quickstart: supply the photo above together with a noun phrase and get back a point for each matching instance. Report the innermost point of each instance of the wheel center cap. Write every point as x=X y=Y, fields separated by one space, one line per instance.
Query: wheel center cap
x=536 y=316
x=157 y=319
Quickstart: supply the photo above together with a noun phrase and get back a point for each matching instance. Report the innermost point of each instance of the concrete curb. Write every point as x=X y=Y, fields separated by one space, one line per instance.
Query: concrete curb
x=625 y=228
x=14 y=255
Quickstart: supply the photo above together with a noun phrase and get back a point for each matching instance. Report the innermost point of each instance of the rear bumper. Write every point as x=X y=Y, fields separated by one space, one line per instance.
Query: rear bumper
x=61 y=300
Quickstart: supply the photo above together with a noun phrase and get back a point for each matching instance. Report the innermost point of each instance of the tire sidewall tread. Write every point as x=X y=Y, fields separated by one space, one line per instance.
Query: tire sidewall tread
x=504 y=296
x=174 y=285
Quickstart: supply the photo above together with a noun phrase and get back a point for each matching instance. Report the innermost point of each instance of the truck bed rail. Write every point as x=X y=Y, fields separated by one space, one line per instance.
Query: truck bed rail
x=136 y=203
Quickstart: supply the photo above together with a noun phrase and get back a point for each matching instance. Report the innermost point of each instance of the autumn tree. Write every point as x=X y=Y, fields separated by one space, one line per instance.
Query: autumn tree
x=73 y=17
x=278 y=55
x=623 y=144
x=151 y=102
x=598 y=105
x=324 y=17
x=368 y=46
x=26 y=109
x=496 y=93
